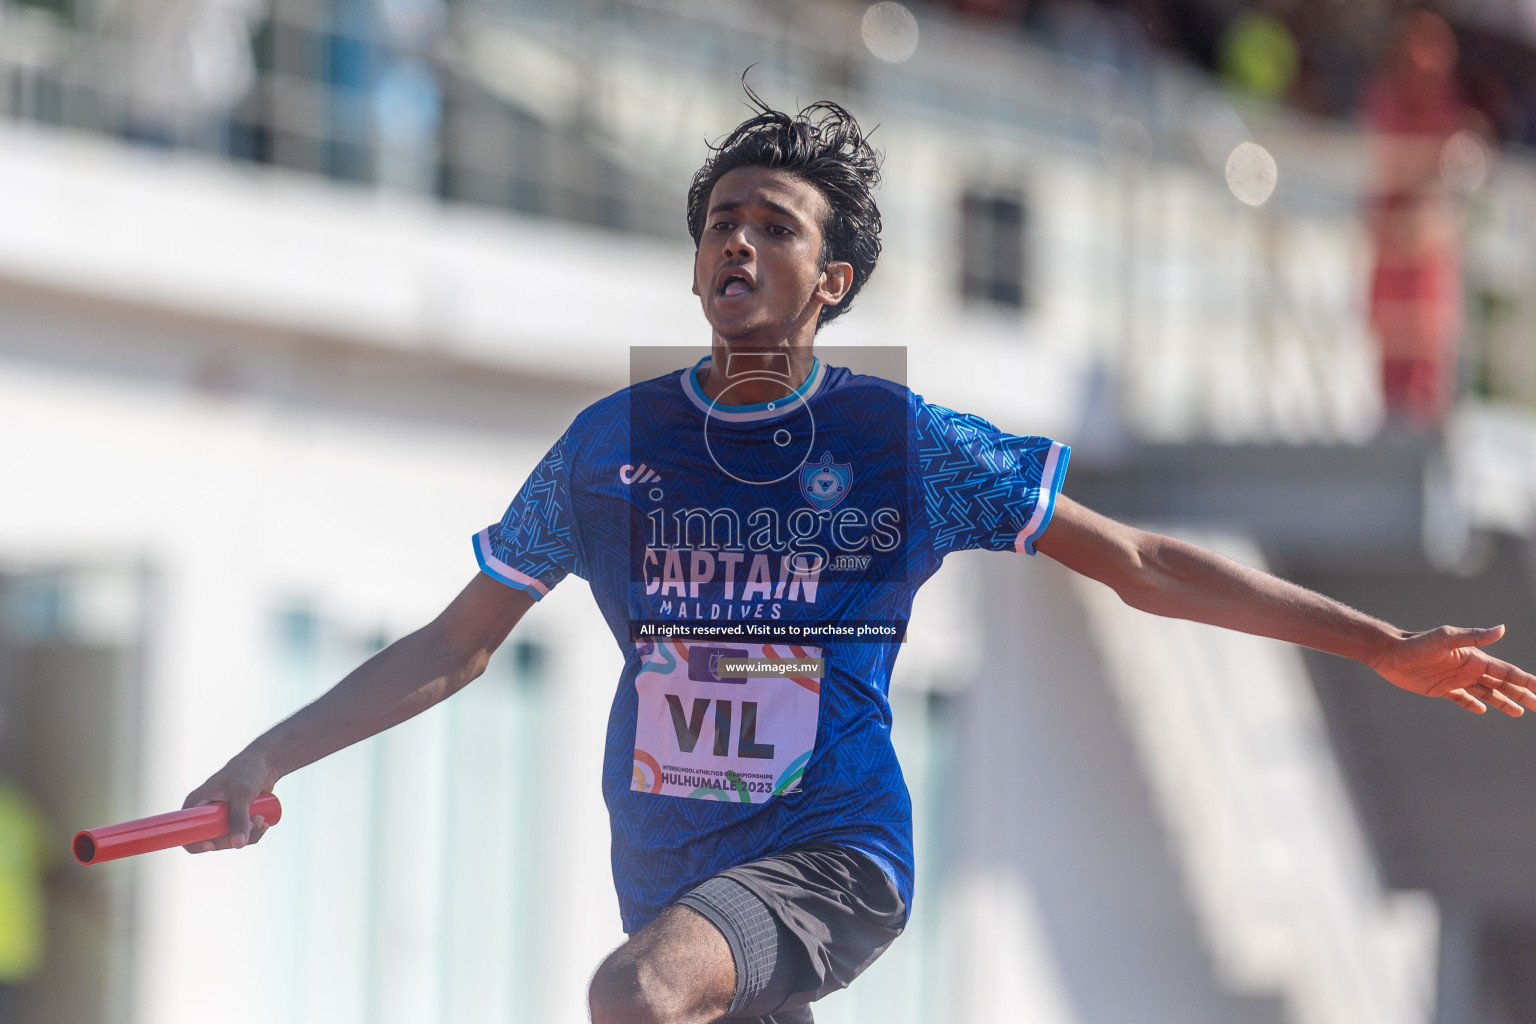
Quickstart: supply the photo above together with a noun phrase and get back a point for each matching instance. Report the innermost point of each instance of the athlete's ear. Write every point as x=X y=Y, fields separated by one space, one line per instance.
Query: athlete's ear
x=696 y=270
x=834 y=284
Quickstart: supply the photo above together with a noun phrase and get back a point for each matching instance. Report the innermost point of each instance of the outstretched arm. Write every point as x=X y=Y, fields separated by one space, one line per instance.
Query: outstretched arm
x=1169 y=577
x=403 y=680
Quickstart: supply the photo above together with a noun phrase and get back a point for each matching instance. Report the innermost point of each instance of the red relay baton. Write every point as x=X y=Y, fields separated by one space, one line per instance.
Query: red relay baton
x=163 y=831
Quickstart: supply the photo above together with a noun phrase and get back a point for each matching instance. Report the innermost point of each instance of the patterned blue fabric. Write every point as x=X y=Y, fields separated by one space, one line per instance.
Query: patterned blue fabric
x=832 y=506
x=983 y=487
x=539 y=527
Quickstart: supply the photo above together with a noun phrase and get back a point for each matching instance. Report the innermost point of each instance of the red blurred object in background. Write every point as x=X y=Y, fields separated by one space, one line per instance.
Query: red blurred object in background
x=163 y=831
x=1413 y=108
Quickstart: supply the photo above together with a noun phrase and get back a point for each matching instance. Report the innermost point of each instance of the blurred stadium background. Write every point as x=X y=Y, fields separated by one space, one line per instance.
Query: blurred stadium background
x=293 y=294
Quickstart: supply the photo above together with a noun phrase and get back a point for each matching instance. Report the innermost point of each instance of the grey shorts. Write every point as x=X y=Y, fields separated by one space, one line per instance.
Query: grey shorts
x=800 y=924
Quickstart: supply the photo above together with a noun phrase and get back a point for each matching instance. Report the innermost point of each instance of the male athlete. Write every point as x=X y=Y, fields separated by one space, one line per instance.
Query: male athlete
x=762 y=839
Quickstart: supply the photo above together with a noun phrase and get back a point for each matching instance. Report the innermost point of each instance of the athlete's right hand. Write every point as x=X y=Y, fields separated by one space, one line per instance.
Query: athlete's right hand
x=239 y=782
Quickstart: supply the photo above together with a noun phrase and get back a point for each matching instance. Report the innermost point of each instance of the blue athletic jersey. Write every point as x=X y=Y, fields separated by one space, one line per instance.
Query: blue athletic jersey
x=822 y=512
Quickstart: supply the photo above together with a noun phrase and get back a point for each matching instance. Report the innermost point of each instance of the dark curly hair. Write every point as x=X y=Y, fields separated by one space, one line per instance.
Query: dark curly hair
x=823 y=145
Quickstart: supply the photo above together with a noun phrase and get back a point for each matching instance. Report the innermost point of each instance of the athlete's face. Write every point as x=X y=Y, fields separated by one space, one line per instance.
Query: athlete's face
x=756 y=271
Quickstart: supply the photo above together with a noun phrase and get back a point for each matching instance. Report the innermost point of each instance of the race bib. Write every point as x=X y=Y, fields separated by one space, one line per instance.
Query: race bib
x=725 y=721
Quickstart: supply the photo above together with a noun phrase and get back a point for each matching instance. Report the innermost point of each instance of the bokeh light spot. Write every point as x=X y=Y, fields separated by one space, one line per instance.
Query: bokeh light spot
x=1252 y=173
x=1464 y=163
x=889 y=31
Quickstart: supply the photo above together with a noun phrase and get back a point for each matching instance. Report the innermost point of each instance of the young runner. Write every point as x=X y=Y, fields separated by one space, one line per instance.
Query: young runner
x=762 y=845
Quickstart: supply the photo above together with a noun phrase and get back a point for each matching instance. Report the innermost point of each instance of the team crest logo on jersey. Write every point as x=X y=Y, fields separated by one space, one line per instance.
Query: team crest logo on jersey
x=826 y=483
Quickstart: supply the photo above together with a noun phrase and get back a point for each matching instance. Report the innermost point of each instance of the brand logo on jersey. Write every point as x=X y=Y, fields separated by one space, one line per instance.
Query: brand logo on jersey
x=640 y=474
x=826 y=483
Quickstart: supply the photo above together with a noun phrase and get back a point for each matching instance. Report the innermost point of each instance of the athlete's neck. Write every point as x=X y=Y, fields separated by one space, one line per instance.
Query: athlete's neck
x=741 y=375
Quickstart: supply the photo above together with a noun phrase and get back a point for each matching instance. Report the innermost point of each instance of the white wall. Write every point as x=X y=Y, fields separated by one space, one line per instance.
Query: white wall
x=241 y=508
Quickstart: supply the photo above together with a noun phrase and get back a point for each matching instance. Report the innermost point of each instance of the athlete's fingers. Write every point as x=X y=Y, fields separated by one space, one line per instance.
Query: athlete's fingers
x=1506 y=701
x=209 y=845
x=1467 y=701
x=258 y=829
x=1519 y=693
x=1504 y=672
x=239 y=821
x=1463 y=636
x=1513 y=683
x=1495 y=698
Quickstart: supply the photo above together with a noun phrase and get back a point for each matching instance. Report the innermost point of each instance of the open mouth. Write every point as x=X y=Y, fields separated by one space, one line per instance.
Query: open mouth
x=734 y=282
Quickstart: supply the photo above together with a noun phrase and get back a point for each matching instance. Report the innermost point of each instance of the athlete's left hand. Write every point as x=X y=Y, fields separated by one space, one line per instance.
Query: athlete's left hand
x=1447 y=662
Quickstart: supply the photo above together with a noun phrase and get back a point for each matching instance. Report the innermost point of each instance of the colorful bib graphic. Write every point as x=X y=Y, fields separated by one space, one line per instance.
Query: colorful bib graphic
x=704 y=737
x=826 y=483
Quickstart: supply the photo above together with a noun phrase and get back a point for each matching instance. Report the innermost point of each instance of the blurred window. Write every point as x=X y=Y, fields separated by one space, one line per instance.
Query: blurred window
x=993 y=227
x=910 y=983
x=449 y=827
x=70 y=703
